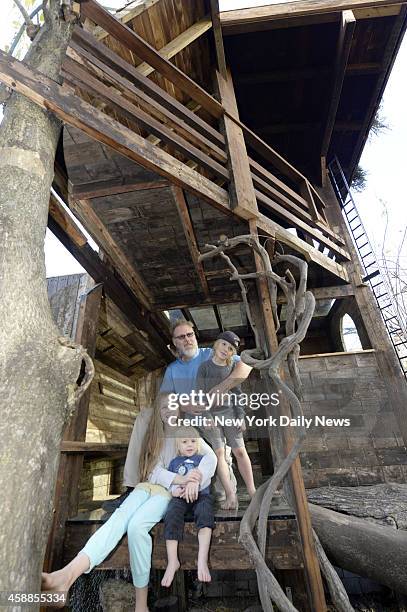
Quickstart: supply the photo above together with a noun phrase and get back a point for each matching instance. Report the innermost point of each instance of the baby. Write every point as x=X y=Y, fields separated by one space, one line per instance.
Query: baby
x=188 y=497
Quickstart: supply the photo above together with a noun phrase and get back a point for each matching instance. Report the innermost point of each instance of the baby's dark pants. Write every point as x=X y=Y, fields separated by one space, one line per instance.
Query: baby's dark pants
x=202 y=510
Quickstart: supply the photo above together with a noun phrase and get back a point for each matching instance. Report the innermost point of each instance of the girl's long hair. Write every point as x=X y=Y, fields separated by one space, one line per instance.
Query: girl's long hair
x=152 y=444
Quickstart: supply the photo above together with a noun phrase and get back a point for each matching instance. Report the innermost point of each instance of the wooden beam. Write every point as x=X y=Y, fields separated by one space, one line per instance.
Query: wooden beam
x=73 y=447
x=296 y=482
x=300 y=8
x=64 y=220
x=125 y=15
x=147 y=53
x=154 y=348
x=179 y=43
x=187 y=226
x=326 y=293
x=88 y=191
x=243 y=197
x=74 y=111
x=346 y=30
x=218 y=38
x=100 y=233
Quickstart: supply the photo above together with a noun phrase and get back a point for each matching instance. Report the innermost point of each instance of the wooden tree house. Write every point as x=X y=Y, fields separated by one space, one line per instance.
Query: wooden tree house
x=182 y=125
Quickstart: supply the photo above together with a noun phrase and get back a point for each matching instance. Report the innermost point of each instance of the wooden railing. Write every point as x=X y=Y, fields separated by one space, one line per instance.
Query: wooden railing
x=96 y=69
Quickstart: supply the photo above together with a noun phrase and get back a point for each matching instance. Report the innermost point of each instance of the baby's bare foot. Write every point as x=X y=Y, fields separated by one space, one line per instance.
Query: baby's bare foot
x=203 y=572
x=170 y=572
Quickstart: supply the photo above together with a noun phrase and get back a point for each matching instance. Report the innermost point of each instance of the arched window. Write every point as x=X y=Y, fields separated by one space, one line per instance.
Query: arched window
x=349 y=333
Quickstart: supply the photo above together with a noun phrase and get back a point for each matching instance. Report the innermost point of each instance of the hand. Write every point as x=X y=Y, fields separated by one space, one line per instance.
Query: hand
x=178 y=491
x=194 y=475
x=191 y=492
x=195 y=409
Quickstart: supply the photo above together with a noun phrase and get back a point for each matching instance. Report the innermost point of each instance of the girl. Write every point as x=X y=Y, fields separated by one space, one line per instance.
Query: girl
x=210 y=374
x=188 y=444
x=141 y=510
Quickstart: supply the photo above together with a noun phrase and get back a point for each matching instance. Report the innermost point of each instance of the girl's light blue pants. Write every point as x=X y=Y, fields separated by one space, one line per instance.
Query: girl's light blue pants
x=139 y=512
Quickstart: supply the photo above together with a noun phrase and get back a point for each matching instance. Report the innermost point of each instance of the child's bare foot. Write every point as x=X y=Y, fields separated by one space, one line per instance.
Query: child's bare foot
x=170 y=572
x=203 y=572
x=230 y=503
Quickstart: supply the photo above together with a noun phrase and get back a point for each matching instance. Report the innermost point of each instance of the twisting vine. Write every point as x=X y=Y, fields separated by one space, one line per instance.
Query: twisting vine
x=299 y=311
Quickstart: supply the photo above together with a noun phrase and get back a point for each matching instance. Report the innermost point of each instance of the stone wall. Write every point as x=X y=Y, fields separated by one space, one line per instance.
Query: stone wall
x=371 y=449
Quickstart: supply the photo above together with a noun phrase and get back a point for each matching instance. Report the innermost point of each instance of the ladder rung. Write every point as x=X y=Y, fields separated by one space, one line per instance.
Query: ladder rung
x=360 y=236
x=371 y=275
x=370 y=265
x=377 y=284
x=395 y=331
x=387 y=306
x=381 y=295
x=390 y=319
x=400 y=343
x=353 y=218
x=355 y=228
x=363 y=245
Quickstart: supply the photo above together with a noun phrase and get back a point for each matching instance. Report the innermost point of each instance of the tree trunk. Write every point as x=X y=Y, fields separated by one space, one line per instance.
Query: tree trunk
x=367 y=549
x=38 y=372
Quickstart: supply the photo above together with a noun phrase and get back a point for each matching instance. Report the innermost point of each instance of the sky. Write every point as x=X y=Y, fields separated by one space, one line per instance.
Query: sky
x=383 y=157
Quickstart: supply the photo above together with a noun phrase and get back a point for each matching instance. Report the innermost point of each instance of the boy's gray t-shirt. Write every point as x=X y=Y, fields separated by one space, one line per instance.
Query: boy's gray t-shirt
x=210 y=375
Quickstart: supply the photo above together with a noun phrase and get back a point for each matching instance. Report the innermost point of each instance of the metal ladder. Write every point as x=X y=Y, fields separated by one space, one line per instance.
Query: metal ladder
x=373 y=276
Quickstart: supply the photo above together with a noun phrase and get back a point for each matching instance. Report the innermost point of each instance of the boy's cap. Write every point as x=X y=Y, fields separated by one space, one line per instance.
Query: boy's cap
x=230 y=337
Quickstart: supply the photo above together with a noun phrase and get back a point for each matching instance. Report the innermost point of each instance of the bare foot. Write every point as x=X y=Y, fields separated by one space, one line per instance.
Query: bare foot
x=170 y=572
x=203 y=572
x=230 y=503
x=57 y=582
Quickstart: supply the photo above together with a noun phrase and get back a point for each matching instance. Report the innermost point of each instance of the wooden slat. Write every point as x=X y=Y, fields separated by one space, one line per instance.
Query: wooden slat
x=72 y=447
x=346 y=30
x=147 y=53
x=89 y=42
x=185 y=217
x=145 y=120
x=179 y=43
x=74 y=111
x=288 y=10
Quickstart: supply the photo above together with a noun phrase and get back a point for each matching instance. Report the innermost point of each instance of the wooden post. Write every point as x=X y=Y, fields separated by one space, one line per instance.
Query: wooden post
x=296 y=483
x=67 y=486
x=242 y=196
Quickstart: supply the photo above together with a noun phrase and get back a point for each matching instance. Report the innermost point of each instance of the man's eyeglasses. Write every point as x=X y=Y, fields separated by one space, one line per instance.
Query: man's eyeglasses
x=184 y=336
